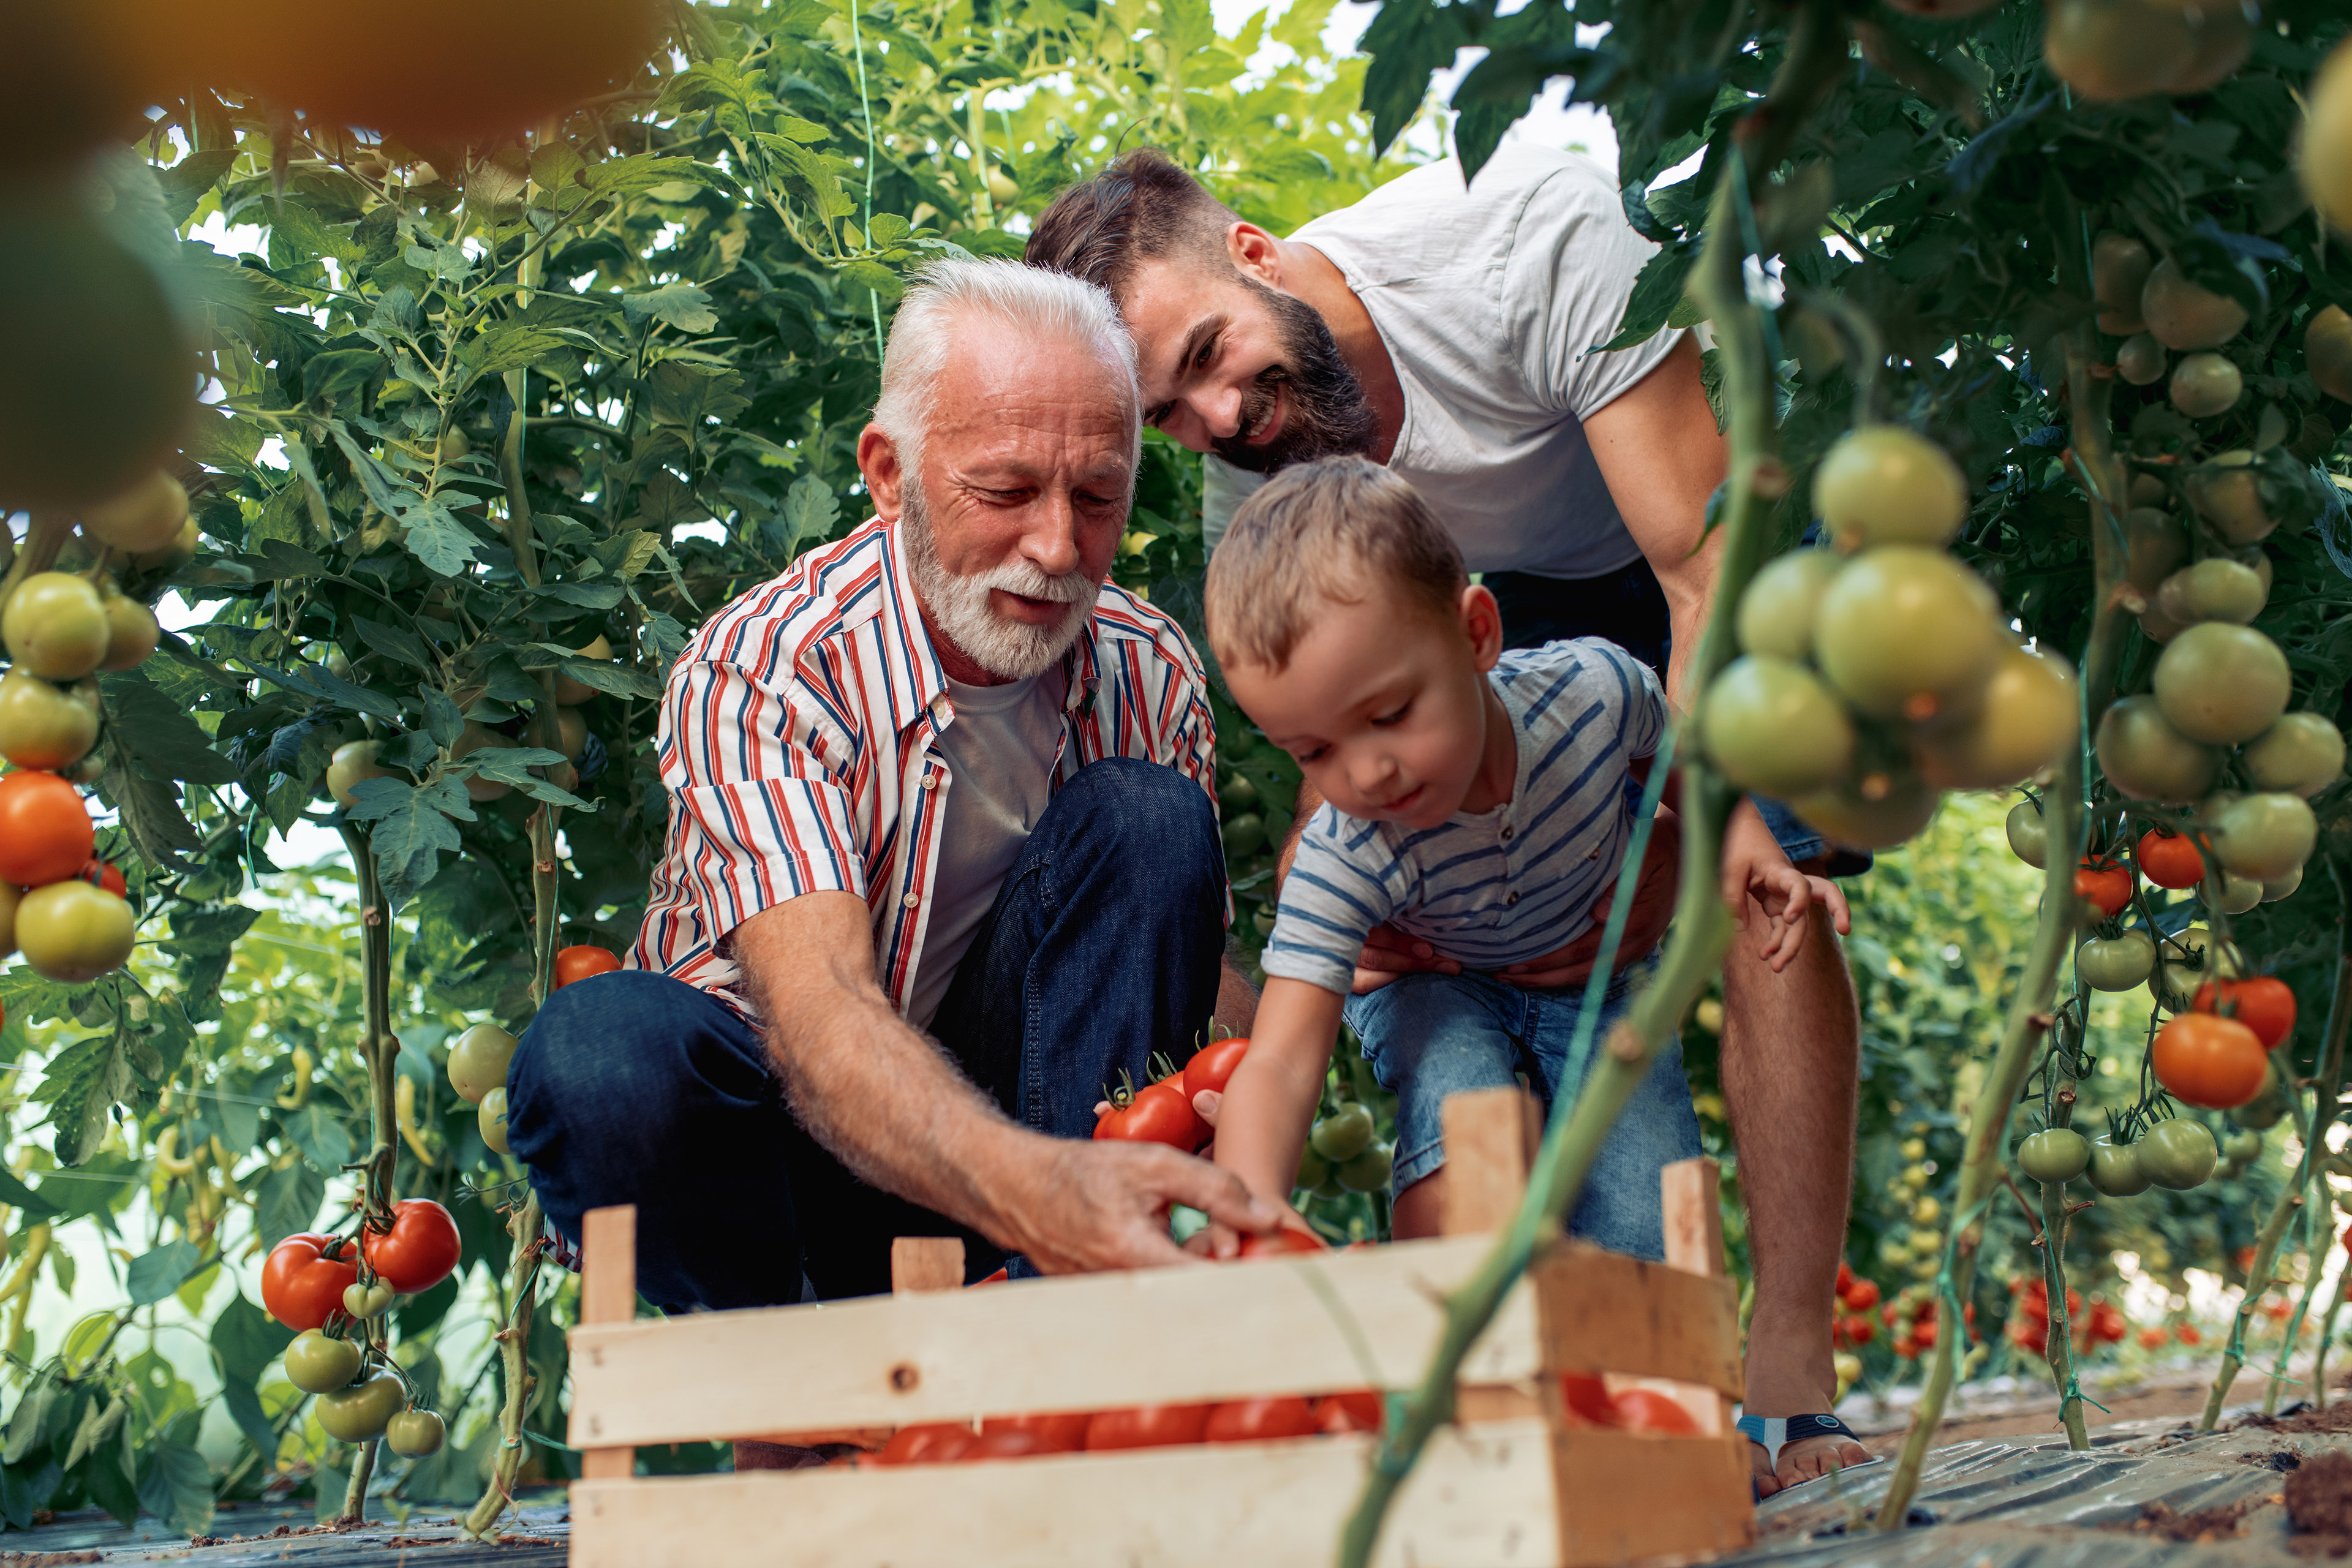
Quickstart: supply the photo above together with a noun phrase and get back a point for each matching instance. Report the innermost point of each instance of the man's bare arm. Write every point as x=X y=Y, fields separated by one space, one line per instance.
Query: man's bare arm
x=889 y=1106
x=1236 y=997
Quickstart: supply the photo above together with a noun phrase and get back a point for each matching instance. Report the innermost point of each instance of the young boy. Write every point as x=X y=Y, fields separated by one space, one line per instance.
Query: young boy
x=1478 y=800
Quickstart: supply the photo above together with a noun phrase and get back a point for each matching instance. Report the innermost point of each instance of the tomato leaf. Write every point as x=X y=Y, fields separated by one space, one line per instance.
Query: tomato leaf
x=152 y=1276
x=83 y=1084
x=178 y=1487
x=288 y=1203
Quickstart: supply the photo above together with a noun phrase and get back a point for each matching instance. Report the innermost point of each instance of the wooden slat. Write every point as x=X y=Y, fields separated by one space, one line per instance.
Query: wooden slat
x=1341 y=1319
x=1603 y=1312
x=1487 y=1152
x=1627 y=1498
x=608 y=1294
x=925 y=1263
x=1479 y=1501
x=1694 y=1204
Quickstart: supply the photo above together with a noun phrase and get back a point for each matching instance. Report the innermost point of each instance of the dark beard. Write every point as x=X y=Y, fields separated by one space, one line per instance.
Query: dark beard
x=1328 y=415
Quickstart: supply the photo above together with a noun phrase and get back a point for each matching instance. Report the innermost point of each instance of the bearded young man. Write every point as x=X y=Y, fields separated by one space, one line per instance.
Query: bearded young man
x=1454 y=332
x=942 y=862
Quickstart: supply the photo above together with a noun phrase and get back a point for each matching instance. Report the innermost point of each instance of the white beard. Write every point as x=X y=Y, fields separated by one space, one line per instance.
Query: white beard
x=959 y=606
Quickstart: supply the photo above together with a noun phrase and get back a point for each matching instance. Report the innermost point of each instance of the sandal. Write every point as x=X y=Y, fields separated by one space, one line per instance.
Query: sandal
x=1774 y=1432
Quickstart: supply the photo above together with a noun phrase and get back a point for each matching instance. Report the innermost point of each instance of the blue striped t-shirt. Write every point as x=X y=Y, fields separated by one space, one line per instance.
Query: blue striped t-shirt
x=1498 y=887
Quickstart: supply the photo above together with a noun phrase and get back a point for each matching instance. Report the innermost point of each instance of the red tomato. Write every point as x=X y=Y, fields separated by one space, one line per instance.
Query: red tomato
x=420 y=1250
x=45 y=830
x=1905 y=1347
x=2105 y=887
x=998 y=1278
x=1861 y=1330
x=1923 y=1333
x=1008 y=1445
x=1647 y=1410
x=1147 y=1426
x=2169 y=860
x=927 y=1443
x=1861 y=1296
x=2152 y=1338
x=1287 y=1239
x=305 y=1276
x=579 y=963
x=1211 y=1066
x=1259 y=1420
x=2190 y=1336
x=1061 y=1432
x=1589 y=1400
x=2203 y=1058
x=1845 y=1274
x=2108 y=1323
x=1156 y=1113
x=2265 y=1005
x=1357 y=1410
x=101 y=874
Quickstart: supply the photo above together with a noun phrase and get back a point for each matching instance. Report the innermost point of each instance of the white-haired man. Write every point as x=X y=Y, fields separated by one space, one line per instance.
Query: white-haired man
x=942 y=862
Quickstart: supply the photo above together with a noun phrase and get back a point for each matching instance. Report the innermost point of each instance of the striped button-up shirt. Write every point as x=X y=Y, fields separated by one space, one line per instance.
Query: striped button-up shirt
x=798 y=744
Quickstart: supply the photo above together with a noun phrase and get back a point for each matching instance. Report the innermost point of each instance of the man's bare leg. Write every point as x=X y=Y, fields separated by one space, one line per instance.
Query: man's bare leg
x=1792 y=1055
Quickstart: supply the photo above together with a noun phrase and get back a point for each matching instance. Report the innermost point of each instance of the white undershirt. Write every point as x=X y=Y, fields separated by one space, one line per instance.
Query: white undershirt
x=999 y=752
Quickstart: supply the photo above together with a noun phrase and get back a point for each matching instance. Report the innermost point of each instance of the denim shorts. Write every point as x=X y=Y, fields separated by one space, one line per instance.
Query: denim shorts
x=1429 y=1036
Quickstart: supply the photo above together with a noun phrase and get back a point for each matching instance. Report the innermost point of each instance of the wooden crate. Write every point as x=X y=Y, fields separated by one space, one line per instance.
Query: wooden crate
x=1510 y=1485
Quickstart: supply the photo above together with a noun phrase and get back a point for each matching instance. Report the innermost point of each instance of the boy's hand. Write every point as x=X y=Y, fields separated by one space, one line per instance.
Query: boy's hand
x=1760 y=883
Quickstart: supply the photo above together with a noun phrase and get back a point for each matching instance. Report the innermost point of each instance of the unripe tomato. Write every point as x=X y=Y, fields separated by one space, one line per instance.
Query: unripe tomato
x=2104 y=885
x=1370 y=1171
x=1906 y=632
x=1344 y=1135
x=2327 y=349
x=1851 y=815
x=131 y=634
x=2155 y=543
x=2169 y=860
x=2028 y=836
x=55 y=626
x=72 y=933
x=367 y=1300
x=478 y=1062
x=147 y=516
x=2177 y=1154
x=2146 y=759
x=1881 y=484
x=2205 y=384
x=2116 y=963
x=490 y=1117
x=1775 y=613
x=418 y=1252
x=2115 y=1169
x=2119 y=269
x=2227 y=492
x=1771 y=726
x=2323 y=158
x=2222 y=684
x=2054 y=1154
x=571 y=693
x=575 y=963
x=479 y=737
x=1244 y=836
x=44 y=726
x=2029 y=712
x=2264 y=836
x=2264 y=1004
x=2206 y=1060
x=174 y=555
x=2277 y=888
x=2214 y=589
x=1211 y=1066
x=2108 y=50
x=304 y=1278
x=355 y=760
x=2140 y=359
x=2182 y=315
x=2303 y=754
x=317 y=1365
x=354 y=1415
x=413 y=1434
x=2229 y=893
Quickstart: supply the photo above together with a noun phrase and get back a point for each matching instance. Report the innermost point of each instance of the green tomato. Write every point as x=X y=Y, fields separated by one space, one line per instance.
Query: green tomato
x=2303 y=754
x=2177 y=1154
x=478 y=1062
x=1313 y=1168
x=1775 y=613
x=2262 y=836
x=1245 y=836
x=2270 y=1105
x=1368 y=1171
x=2145 y=758
x=415 y=1433
x=1344 y=1135
x=354 y=1415
x=317 y=1365
x=366 y=1301
x=2115 y=1169
x=2244 y=1147
x=2220 y=684
x=1907 y=632
x=2054 y=1154
x=2029 y=836
x=2116 y=963
x=492 y=1120
x=1772 y=726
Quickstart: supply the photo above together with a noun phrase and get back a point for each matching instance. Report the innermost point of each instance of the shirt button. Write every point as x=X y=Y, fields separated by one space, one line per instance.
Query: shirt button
x=911 y=899
x=1512 y=899
x=1507 y=836
x=931 y=781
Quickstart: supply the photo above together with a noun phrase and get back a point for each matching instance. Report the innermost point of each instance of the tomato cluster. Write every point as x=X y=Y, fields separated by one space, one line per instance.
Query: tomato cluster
x=1263 y=1420
x=2029 y=1319
x=310 y=1278
x=1857 y=1295
x=1915 y=1320
x=1878 y=674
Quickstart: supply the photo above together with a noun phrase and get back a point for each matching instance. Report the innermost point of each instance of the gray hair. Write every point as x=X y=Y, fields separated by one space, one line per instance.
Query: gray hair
x=1042 y=306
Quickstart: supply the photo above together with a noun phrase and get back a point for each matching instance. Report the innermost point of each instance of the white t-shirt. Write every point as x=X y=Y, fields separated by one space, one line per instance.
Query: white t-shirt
x=1000 y=752
x=1488 y=300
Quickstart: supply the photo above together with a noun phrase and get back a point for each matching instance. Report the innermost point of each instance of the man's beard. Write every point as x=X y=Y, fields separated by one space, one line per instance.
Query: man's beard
x=960 y=610
x=1328 y=415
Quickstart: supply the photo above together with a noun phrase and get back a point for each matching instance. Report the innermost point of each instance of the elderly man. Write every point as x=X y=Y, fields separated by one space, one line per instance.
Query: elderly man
x=942 y=862
x=1454 y=331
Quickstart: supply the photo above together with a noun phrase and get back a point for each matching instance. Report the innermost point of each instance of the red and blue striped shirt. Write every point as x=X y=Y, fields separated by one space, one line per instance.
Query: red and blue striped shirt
x=798 y=744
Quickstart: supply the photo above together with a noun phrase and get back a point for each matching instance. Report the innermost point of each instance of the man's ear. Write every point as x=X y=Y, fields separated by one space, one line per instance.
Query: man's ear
x=878 y=459
x=1482 y=623
x=1255 y=252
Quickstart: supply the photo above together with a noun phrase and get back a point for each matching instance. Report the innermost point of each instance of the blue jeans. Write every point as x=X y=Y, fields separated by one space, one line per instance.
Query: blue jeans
x=1429 y=1036
x=1102 y=947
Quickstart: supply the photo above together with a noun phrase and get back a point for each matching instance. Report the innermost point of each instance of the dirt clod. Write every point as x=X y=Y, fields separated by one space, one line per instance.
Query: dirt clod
x=2206 y=1524
x=2319 y=1501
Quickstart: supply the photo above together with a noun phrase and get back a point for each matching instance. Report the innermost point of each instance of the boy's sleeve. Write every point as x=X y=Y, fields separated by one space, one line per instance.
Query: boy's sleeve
x=1644 y=719
x=1338 y=890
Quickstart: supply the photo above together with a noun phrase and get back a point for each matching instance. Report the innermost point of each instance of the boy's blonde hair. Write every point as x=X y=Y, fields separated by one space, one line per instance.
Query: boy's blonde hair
x=1324 y=531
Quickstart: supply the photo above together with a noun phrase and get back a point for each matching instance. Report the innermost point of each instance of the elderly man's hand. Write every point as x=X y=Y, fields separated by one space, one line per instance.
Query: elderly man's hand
x=1105 y=1205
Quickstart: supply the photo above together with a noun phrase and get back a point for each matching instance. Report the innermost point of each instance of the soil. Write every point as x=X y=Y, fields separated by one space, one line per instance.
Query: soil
x=2183 y=1399
x=2319 y=1501
x=2206 y=1524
